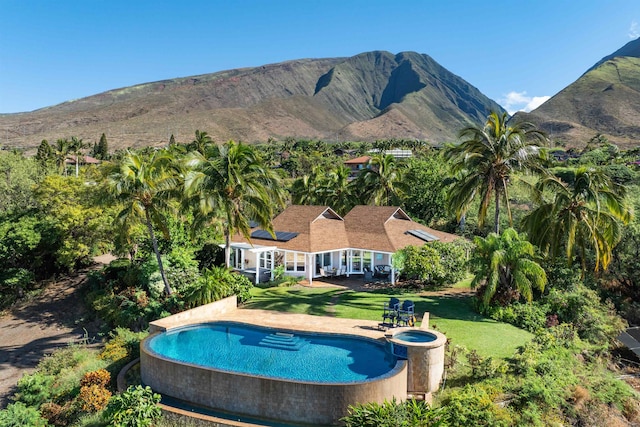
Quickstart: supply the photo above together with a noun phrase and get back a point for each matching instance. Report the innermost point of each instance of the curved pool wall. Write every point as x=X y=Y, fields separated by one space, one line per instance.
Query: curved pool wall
x=272 y=398
x=425 y=357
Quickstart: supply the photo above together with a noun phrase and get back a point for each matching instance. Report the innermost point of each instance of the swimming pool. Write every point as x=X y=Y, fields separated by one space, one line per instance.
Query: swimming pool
x=272 y=373
x=277 y=354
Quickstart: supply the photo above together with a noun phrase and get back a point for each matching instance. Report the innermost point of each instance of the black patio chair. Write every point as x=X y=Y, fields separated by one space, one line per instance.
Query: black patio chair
x=406 y=314
x=390 y=312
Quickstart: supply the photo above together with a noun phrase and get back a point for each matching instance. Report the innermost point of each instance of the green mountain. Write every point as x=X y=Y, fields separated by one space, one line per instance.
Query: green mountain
x=374 y=95
x=604 y=100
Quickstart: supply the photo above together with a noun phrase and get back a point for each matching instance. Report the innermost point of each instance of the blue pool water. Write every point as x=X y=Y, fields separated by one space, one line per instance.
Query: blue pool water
x=415 y=336
x=266 y=352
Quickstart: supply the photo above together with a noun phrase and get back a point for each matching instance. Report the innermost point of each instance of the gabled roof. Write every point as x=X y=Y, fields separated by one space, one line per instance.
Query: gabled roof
x=386 y=229
x=318 y=228
x=358 y=160
x=321 y=229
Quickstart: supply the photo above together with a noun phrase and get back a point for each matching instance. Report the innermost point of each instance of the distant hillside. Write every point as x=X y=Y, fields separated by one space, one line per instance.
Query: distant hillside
x=374 y=95
x=604 y=100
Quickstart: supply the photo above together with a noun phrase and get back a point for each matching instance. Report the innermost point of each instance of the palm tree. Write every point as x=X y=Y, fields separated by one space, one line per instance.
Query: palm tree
x=381 y=182
x=142 y=184
x=201 y=142
x=587 y=214
x=338 y=193
x=486 y=159
x=62 y=149
x=76 y=146
x=233 y=181
x=504 y=265
x=308 y=189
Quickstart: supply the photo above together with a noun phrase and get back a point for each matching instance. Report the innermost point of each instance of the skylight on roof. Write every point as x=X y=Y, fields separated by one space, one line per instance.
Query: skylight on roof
x=423 y=235
x=281 y=236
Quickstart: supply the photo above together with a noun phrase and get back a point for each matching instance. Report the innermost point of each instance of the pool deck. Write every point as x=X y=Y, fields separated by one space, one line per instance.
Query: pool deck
x=228 y=310
x=304 y=322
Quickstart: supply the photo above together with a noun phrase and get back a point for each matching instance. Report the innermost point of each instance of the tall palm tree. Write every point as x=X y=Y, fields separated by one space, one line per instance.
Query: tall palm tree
x=233 y=181
x=141 y=184
x=504 y=264
x=338 y=190
x=76 y=146
x=487 y=157
x=61 y=152
x=381 y=182
x=587 y=214
x=308 y=189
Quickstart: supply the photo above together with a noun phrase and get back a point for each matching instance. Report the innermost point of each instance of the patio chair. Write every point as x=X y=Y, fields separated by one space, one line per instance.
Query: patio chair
x=406 y=314
x=382 y=271
x=390 y=312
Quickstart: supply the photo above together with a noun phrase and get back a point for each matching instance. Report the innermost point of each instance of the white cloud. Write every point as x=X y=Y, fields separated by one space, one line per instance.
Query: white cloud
x=519 y=101
x=634 y=30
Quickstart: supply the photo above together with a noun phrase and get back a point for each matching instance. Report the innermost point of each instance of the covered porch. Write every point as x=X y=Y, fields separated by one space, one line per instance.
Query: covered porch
x=255 y=262
x=258 y=263
x=339 y=263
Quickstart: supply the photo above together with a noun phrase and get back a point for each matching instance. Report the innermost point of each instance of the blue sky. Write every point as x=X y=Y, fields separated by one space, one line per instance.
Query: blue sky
x=515 y=52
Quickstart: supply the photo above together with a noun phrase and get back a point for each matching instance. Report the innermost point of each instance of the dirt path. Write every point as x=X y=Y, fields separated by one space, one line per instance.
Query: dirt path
x=35 y=328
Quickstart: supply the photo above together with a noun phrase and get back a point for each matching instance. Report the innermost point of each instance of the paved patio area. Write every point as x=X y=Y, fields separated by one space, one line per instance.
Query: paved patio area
x=304 y=322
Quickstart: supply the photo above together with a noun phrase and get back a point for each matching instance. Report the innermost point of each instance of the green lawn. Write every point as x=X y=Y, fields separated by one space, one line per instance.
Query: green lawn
x=453 y=316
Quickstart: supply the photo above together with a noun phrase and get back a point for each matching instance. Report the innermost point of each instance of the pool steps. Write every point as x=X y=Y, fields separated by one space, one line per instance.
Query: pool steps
x=283 y=341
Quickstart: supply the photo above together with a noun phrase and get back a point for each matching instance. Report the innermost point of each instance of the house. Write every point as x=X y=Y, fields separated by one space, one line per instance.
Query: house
x=356 y=165
x=82 y=160
x=314 y=241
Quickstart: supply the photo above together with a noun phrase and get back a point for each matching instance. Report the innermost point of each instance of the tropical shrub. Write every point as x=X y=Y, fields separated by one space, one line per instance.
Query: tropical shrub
x=20 y=415
x=506 y=269
x=93 y=398
x=453 y=259
x=474 y=405
x=122 y=347
x=421 y=263
x=416 y=413
x=593 y=320
x=217 y=283
x=136 y=407
x=101 y=377
x=531 y=317
x=35 y=389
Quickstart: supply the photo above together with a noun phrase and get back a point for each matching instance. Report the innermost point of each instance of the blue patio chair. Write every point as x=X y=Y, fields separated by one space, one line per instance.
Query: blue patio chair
x=390 y=312
x=406 y=314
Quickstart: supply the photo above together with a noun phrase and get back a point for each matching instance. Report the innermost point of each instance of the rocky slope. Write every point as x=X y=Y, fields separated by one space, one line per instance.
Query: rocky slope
x=374 y=95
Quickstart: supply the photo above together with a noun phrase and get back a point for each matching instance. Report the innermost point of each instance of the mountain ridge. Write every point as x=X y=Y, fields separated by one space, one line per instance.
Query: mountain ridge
x=372 y=95
x=604 y=100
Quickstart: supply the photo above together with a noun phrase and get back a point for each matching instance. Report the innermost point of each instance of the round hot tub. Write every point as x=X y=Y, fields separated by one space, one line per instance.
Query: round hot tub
x=424 y=351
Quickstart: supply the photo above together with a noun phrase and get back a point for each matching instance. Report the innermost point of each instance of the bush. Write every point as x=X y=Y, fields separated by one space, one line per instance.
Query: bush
x=474 y=406
x=123 y=347
x=530 y=317
x=35 y=389
x=19 y=415
x=416 y=413
x=241 y=286
x=93 y=397
x=453 y=258
x=594 y=321
x=136 y=407
x=58 y=415
x=101 y=377
x=215 y=284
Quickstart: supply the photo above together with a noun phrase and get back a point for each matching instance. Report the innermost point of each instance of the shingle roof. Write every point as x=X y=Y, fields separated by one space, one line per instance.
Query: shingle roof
x=358 y=160
x=384 y=229
x=320 y=229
